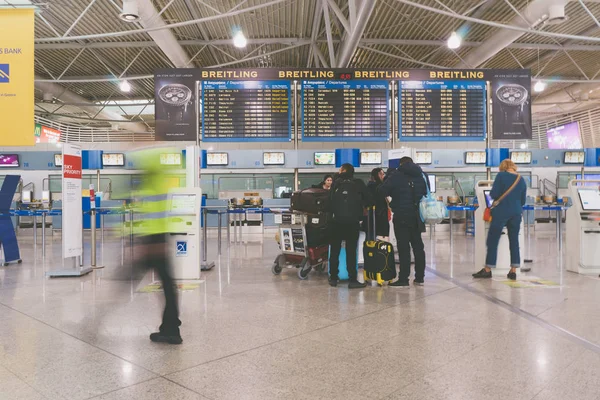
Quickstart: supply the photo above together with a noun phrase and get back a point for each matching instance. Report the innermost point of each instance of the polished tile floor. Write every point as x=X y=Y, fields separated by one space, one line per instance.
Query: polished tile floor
x=251 y=335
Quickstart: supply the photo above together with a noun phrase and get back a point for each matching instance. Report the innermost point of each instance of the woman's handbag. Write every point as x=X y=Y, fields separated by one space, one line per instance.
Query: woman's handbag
x=487 y=213
x=431 y=210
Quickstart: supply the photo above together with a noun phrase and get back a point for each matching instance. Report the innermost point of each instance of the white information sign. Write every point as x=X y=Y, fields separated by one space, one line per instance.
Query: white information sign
x=71 y=201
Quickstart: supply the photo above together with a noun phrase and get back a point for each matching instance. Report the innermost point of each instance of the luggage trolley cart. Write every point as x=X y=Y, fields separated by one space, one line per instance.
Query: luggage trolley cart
x=295 y=250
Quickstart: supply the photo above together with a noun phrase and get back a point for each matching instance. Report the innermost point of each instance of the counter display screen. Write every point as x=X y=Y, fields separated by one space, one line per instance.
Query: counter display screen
x=217 y=159
x=345 y=111
x=423 y=157
x=324 y=158
x=273 y=158
x=574 y=157
x=170 y=159
x=590 y=199
x=9 y=160
x=521 y=157
x=370 y=158
x=58 y=160
x=239 y=111
x=448 y=110
x=113 y=159
x=475 y=157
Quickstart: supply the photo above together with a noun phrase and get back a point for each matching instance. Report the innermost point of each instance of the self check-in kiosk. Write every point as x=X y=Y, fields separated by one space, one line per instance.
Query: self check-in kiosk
x=184 y=232
x=583 y=227
x=484 y=199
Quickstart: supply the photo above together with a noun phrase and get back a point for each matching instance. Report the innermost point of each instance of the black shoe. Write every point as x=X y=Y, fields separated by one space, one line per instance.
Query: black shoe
x=419 y=282
x=483 y=274
x=162 y=338
x=512 y=276
x=399 y=283
x=333 y=282
x=356 y=285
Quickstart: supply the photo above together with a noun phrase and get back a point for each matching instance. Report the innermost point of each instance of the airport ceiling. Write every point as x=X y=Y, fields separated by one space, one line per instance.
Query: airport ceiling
x=84 y=50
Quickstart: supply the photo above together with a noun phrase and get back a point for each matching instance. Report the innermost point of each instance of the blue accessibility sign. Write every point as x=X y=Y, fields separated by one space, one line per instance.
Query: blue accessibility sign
x=181 y=249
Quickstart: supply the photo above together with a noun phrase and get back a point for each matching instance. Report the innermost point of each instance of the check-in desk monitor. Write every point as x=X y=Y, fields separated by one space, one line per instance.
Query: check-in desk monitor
x=483 y=190
x=184 y=232
x=488 y=198
x=583 y=228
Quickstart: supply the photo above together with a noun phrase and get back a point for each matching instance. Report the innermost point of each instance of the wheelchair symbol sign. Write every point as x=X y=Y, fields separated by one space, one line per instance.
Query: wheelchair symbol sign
x=181 y=250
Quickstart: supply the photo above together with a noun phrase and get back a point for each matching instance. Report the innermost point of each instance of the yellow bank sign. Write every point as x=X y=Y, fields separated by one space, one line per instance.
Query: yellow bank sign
x=16 y=77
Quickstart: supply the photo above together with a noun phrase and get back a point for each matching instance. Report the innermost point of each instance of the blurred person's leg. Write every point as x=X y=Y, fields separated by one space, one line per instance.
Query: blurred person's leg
x=169 y=329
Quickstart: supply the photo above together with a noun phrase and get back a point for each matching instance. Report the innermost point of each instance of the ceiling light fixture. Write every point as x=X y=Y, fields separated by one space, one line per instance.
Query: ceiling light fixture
x=454 y=41
x=130 y=11
x=523 y=146
x=539 y=86
x=239 y=40
x=125 y=87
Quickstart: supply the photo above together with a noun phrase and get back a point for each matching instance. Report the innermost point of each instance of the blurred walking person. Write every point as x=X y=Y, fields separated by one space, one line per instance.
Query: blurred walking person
x=152 y=234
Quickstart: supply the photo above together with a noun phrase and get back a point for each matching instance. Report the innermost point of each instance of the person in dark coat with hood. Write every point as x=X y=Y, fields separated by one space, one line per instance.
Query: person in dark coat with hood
x=382 y=224
x=406 y=187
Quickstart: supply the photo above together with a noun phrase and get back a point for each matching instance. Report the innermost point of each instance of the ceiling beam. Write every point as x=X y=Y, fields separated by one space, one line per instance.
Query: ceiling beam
x=293 y=41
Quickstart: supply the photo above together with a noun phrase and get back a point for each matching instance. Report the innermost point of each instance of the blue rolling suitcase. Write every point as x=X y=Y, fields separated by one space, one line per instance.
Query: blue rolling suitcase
x=343 y=269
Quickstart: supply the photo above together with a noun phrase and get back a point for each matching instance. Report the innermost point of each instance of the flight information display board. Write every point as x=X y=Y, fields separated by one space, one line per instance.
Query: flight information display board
x=240 y=111
x=345 y=111
x=442 y=110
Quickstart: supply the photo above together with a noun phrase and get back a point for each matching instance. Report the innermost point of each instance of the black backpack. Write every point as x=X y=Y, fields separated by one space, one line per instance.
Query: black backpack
x=346 y=201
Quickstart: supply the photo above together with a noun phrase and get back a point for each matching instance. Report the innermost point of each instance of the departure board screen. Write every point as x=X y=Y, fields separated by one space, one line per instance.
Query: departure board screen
x=448 y=110
x=345 y=111
x=239 y=111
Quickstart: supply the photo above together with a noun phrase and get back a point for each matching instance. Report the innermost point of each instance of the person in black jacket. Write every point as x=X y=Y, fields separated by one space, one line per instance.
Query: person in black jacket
x=348 y=198
x=382 y=224
x=406 y=187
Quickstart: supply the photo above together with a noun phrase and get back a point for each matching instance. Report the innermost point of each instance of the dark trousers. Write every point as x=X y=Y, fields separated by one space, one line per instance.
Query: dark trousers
x=160 y=262
x=513 y=226
x=340 y=232
x=409 y=235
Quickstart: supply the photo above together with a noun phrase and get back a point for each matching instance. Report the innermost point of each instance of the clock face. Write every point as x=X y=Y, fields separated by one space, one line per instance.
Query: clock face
x=513 y=95
x=175 y=94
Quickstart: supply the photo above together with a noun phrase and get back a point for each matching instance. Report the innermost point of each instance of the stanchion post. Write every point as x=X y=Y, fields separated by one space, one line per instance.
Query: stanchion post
x=219 y=223
x=204 y=236
x=34 y=231
x=228 y=228
x=93 y=239
x=43 y=235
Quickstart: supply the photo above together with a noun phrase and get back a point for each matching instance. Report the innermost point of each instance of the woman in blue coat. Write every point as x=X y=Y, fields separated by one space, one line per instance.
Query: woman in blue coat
x=507 y=213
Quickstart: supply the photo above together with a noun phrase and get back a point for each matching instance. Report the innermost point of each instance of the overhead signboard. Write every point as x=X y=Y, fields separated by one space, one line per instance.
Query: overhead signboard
x=442 y=110
x=44 y=134
x=246 y=110
x=511 y=104
x=16 y=76
x=345 y=111
x=565 y=137
x=175 y=105
x=341 y=104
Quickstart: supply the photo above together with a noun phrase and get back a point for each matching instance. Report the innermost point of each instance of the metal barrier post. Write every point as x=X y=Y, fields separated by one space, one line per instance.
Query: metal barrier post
x=205 y=265
x=93 y=239
x=43 y=235
x=204 y=236
x=228 y=228
x=34 y=231
x=219 y=223
x=235 y=235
